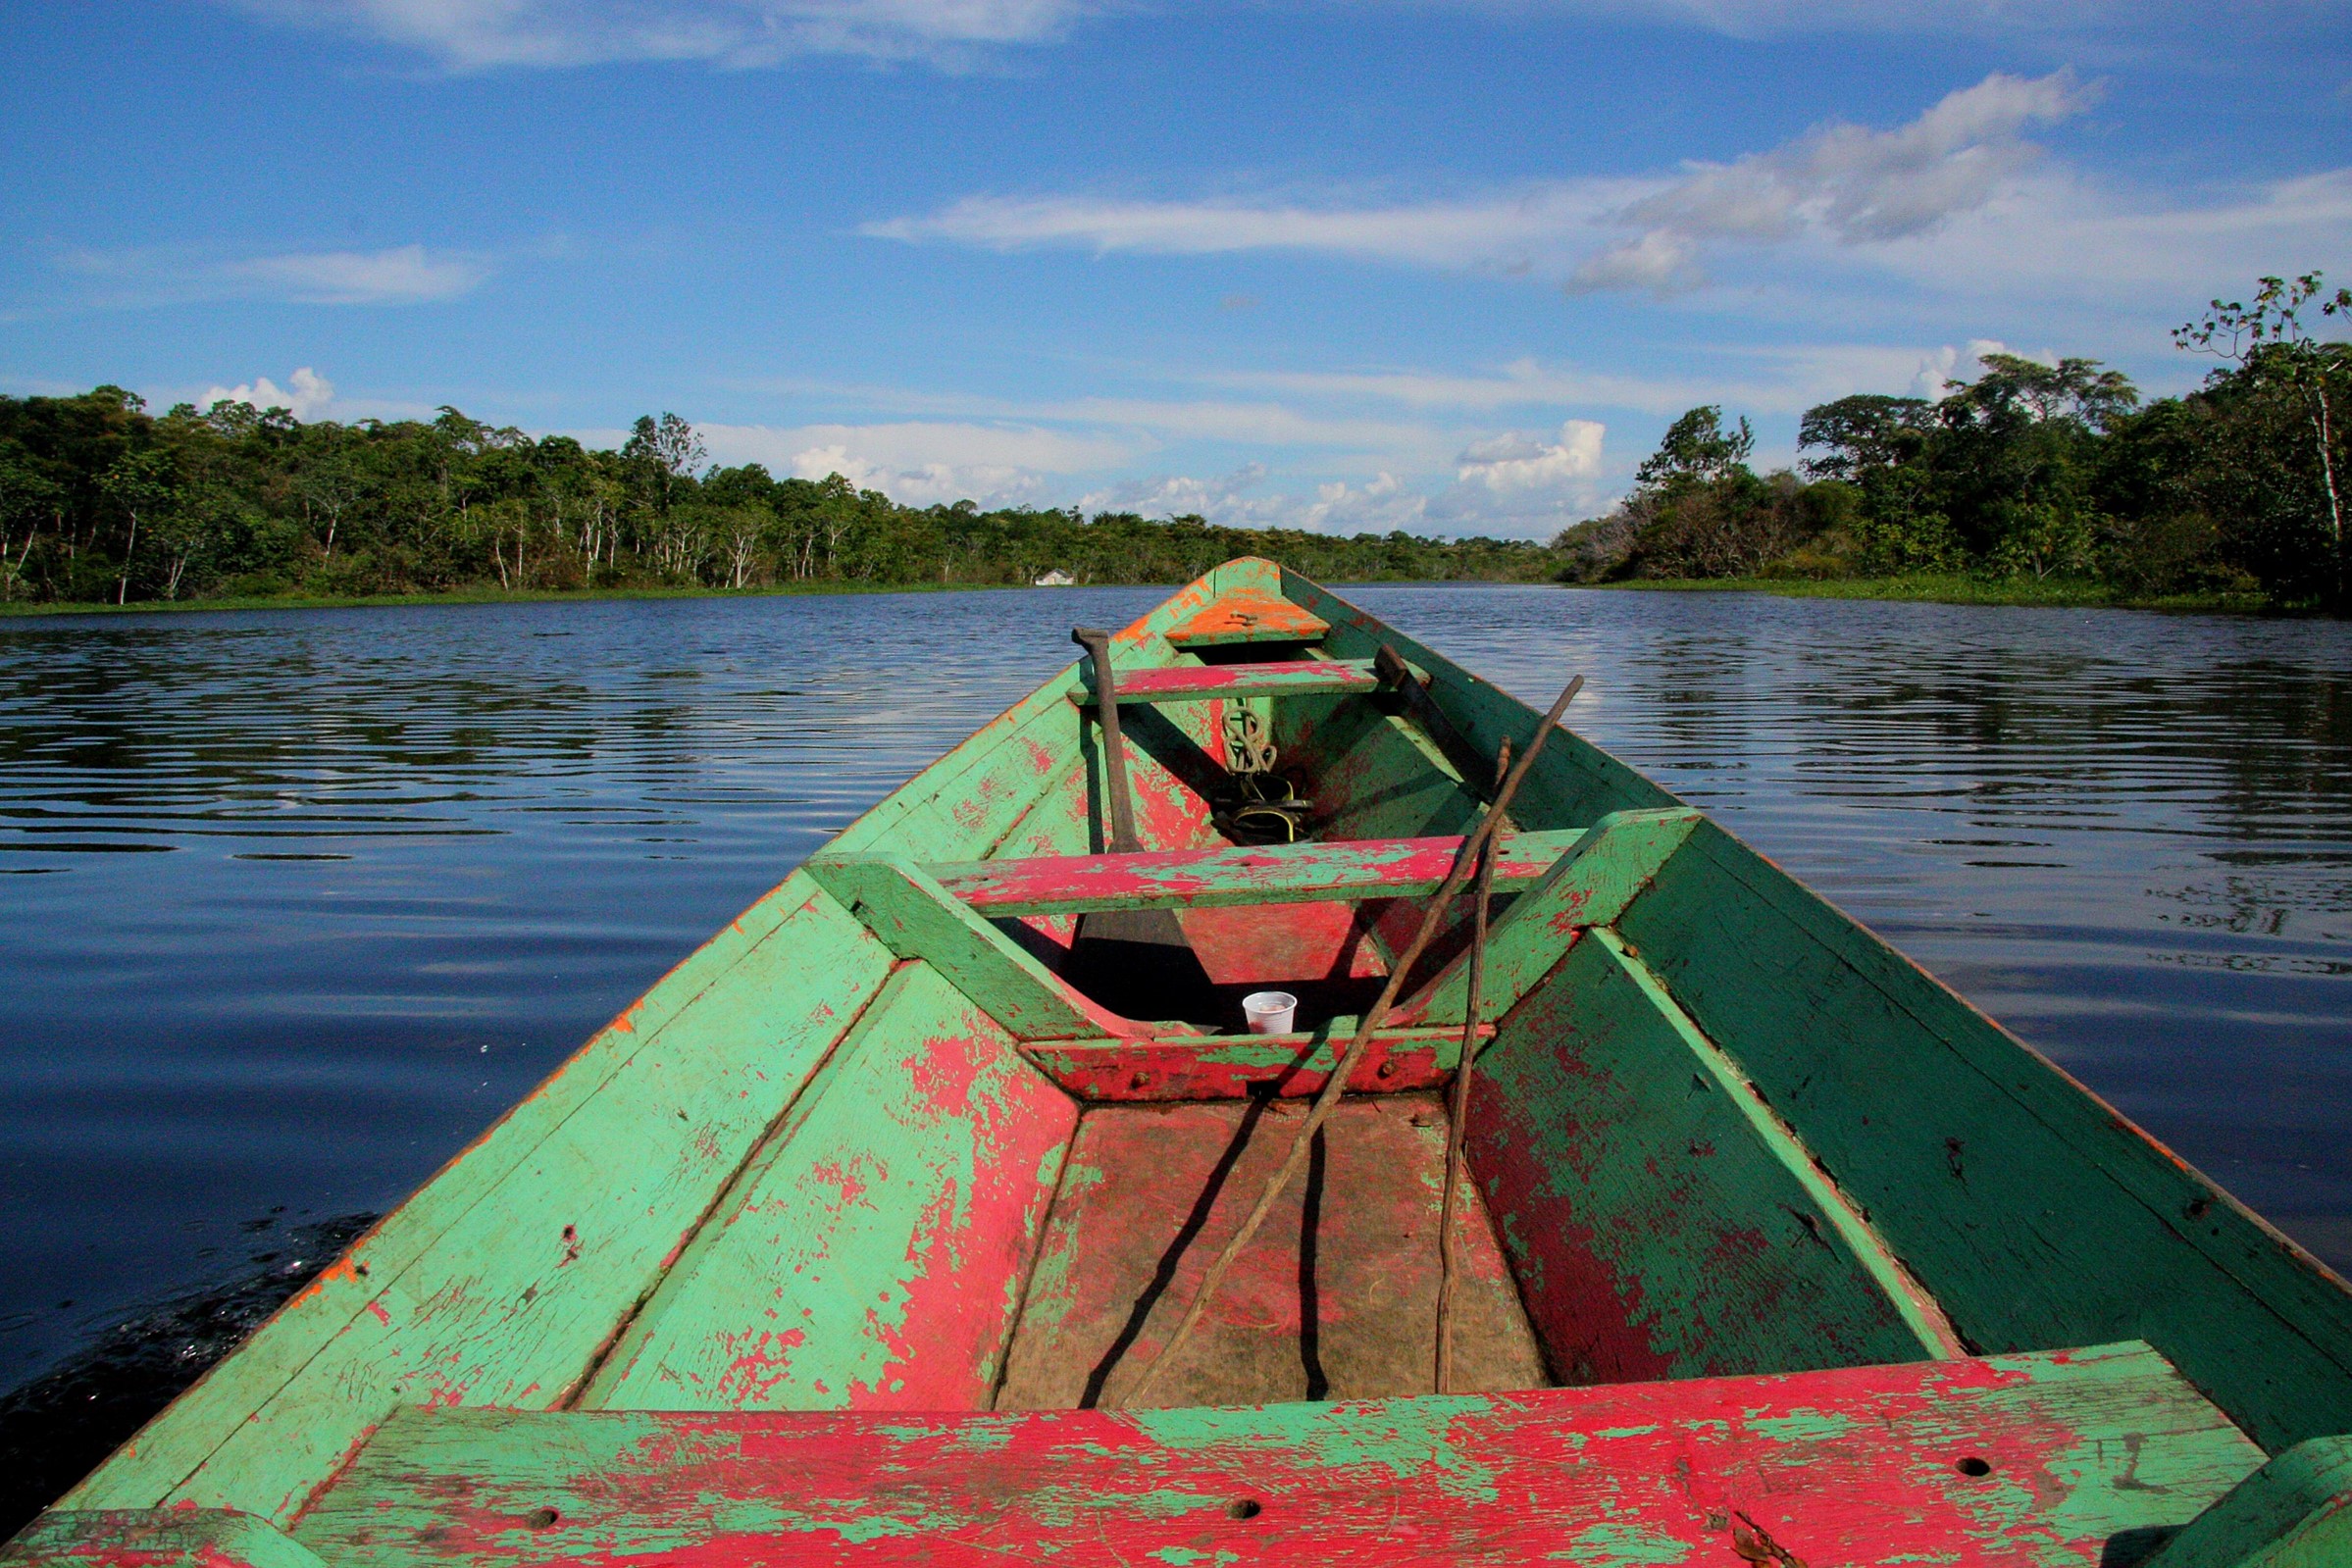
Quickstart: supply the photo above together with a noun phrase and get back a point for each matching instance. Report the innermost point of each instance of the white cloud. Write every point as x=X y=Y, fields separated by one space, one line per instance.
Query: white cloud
x=483 y=35
x=2057 y=237
x=920 y=463
x=1880 y=199
x=404 y=274
x=1506 y=229
x=1847 y=182
x=1512 y=462
x=1850 y=181
x=307 y=397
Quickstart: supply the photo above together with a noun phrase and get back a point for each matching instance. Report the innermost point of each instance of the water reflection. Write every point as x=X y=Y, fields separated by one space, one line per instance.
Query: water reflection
x=299 y=901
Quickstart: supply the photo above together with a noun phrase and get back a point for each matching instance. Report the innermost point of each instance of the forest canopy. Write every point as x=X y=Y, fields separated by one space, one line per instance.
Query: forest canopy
x=2033 y=471
x=2030 y=470
x=102 y=502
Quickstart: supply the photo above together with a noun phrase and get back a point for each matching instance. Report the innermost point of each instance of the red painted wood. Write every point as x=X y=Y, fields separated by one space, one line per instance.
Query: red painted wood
x=1218 y=1068
x=1241 y=679
x=2006 y=1460
x=1173 y=877
x=1266 y=944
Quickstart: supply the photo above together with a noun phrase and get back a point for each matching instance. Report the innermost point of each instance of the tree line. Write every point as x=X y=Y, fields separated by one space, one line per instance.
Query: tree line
x=101 y=501
x=2030 y=470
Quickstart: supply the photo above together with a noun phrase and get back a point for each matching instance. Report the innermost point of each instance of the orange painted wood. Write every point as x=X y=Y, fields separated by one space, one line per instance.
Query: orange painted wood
x=1248 y=617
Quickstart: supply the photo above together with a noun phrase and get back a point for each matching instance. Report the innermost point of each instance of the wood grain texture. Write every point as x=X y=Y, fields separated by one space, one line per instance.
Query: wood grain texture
x=155 y=1537
x=1590 y=885
x=1204 y=878
x=1301 y=678
x=1335 y=1299
x=1231 y=1066
x=2036 y=1214
x=1662 y=1223
x=1859 y=1466
x=1573 y=781
x=918 y=919
x=2294 y=1512
x=1262 y=616
x=505 y=1279
x=872 y=1257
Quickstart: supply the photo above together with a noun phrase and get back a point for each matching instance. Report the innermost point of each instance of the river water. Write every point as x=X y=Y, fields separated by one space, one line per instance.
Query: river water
x=293 y=903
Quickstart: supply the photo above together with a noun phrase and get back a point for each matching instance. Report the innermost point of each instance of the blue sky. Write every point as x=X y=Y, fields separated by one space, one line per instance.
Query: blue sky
x=1442 y=265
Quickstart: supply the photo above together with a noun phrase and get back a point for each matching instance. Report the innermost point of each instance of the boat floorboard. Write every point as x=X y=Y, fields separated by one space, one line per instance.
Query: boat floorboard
x=1336 y=1299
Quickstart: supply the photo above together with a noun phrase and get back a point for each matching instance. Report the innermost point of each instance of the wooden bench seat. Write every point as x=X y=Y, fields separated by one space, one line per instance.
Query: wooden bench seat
x=2024 y=1459
x=1303 y=678
x=1208 y=879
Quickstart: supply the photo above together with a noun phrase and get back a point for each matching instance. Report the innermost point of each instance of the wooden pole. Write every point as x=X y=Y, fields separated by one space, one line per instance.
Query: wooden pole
x=1336 y=1087
x=1458 y=1108
x=1096 y=643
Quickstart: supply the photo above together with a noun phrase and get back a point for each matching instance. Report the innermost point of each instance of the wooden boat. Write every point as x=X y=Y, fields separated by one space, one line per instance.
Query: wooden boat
x=848 y=1241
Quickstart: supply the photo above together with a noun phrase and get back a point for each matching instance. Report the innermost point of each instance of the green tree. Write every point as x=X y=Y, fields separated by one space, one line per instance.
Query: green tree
x=139 y=484
x=1862 y=434
x=2270 y=340
x=1698 y=449
x=668 y=452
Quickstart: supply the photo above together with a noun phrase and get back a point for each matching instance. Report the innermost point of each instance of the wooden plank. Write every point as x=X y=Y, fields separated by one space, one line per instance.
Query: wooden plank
x=1244 y=616
x=1662 y=1223
x=1301 y=873
x=2294 y=1512
x=1590 y=885
x=1304 y=677
x=1336 y=1299
x=1861 y=1465
x=918 y=919
x=155 y=1537
x=1573 y=783
x=2036 y=1214
x=1231 y=1066
x=505 y=1276
x=873 y=1256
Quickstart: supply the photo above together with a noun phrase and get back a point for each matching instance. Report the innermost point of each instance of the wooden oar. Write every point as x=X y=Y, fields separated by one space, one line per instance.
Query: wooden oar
x=1134 y=961
x=1327 y=1101
x=1458 y=1109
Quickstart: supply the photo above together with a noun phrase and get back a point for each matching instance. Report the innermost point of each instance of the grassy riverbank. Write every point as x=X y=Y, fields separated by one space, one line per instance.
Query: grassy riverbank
x=1958 y=588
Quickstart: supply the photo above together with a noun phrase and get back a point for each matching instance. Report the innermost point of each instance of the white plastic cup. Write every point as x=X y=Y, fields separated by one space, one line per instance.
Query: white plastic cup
x=1270 y=1012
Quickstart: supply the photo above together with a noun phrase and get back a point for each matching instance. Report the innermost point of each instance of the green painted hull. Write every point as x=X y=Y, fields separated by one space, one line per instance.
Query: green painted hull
x=870 y=1153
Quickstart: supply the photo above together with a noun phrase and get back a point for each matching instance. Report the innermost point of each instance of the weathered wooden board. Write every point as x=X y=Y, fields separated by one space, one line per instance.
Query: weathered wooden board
x=2034 y=1213
x=1264 y=946
x=1301 y=678
x=1590 y=885
x=1573 y=783
x=872 y=1257
x=1221 y=1067
x=152 y=1538
x=1200 y=879
x=1262 y=615
x=1660 y=1223
x=503 y=1280
x=919 y=920
x=1335 y=1298
x=2294 y=1512
x=2016 y=1461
